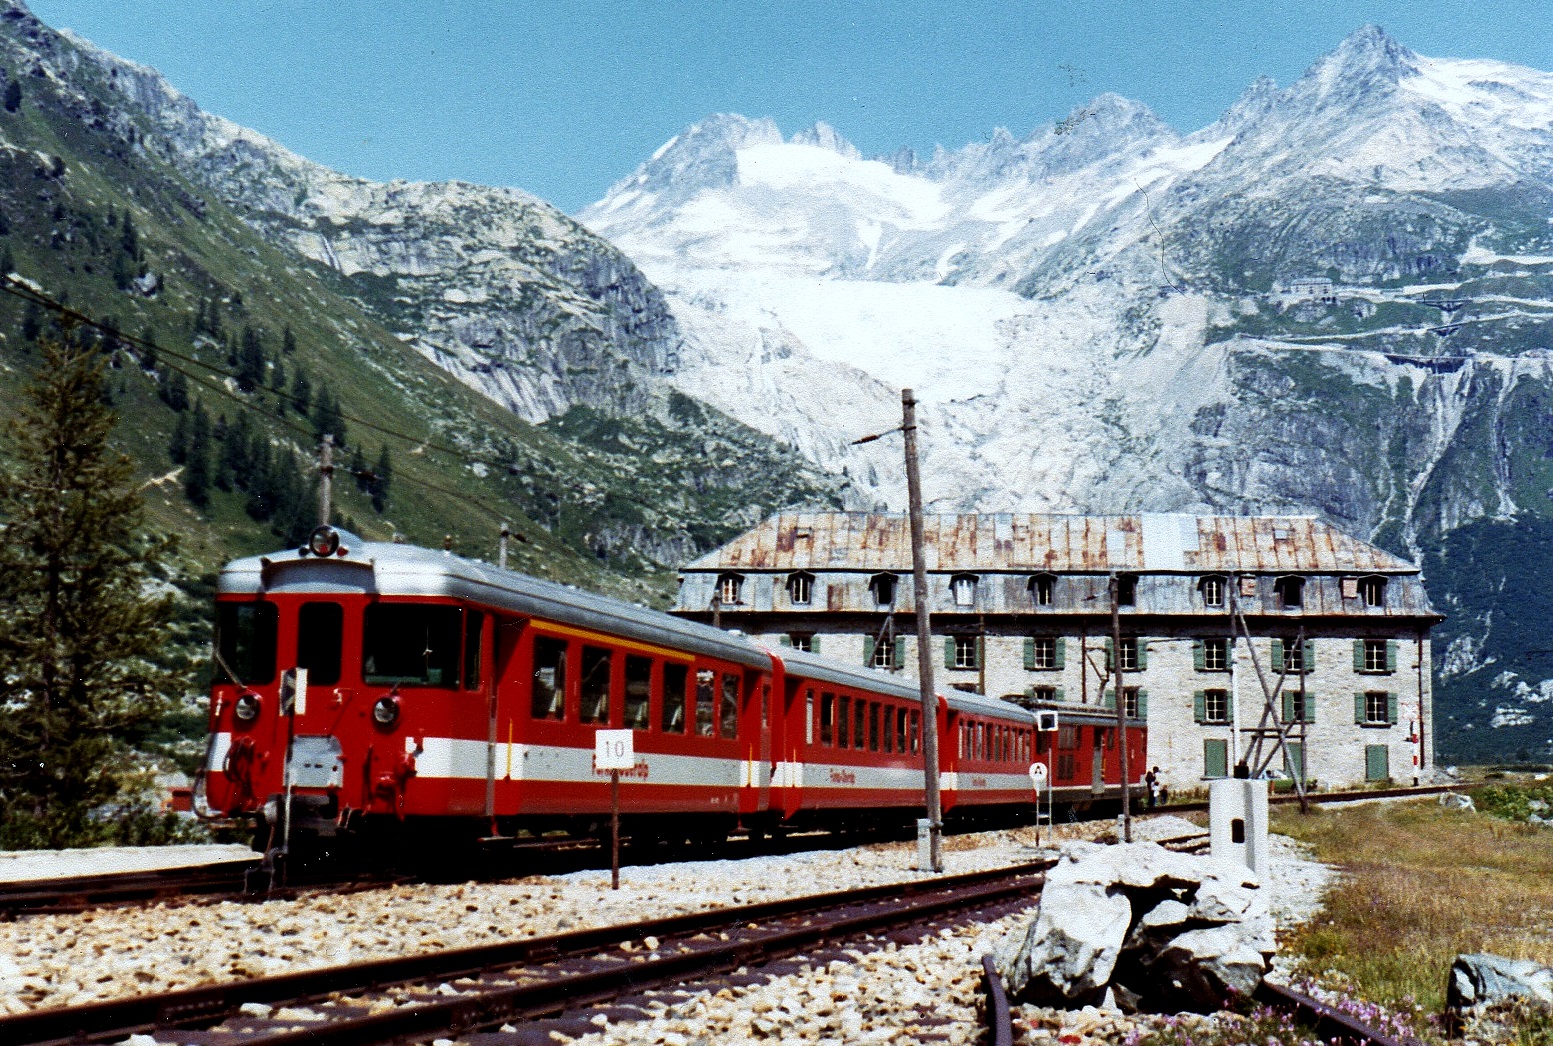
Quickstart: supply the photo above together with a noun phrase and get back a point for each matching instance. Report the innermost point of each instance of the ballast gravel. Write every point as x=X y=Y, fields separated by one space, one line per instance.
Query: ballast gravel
x=70 y=959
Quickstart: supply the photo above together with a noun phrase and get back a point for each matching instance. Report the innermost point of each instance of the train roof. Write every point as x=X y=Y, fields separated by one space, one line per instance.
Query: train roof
x=409 y=570
x=813 y=666
x=981 y=704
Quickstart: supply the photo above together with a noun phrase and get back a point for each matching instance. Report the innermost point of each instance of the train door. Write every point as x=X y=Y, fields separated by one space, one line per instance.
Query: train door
x=951 y=744
x=511 y=675
x=1097 y=766
x=755 y=777
x=790 y=743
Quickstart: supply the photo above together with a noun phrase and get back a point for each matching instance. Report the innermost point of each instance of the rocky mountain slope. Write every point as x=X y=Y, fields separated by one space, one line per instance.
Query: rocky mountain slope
x=445 y=322
x=1109 y=315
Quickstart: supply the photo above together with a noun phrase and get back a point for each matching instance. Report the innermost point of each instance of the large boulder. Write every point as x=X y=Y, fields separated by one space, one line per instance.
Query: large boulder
x=1482 y=979
x=1160 y=928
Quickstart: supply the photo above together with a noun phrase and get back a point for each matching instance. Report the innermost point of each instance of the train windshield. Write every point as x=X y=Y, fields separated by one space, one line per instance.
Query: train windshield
x=411 y=644
x=245 y=643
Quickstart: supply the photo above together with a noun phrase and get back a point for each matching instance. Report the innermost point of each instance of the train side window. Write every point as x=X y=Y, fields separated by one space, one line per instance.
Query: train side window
x=827 y=718
x=887 y=727
x=706 y=697
x=638 y=710
x=1067 y=738
x=474 y=629
x=411 y=644
x=729 y=713
x=548 y=696
x=900 y=731
x=860 y=724
x=873 y=726
x=596 y=665
x=320 y=634
x=1040 y=742
x=676 y=680
x=844 y=723
x=245 y=636
x=916 y=735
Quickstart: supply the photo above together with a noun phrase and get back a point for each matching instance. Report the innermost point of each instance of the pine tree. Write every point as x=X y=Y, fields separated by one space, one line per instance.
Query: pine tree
x=261 y=498
x=236 y=447
x=383 y=474
x=83 y=627
x=178 y=445
x=173 y=388
x=278 y=381
x=196 y=472
x=148 y=348
x=288 y=342
x=32 y=322
x=358 y=468
x=129 y=238
x=327 y=417
x=301 y=393
x=250 y=361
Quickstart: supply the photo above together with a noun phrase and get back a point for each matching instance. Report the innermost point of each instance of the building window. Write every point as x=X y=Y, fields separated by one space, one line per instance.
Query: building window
x=1376 y=656
x=884 y=654
x=1043 y=693
x=962 y=652
x=1212 y=706
x=1127 y=590
x=1373 y=591
x=1043 y=652
x=802 y=641
x=1041 y=588
x=1293 y=657
x=1212 y=589
x=1375 y=708
x=883 y=587
x=1299 y=707
x=1129 y=658
x=1290 y=591
x=1130 y=702
x=728 y=588
x=964 y=588
x=800 y=588
x=1215 y=655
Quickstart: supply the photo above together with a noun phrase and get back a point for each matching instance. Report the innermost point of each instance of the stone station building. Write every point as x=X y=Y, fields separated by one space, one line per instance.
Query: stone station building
x=1021 y=609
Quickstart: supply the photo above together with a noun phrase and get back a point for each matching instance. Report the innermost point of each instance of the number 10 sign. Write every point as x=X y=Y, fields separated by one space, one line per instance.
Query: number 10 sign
x=613 y=750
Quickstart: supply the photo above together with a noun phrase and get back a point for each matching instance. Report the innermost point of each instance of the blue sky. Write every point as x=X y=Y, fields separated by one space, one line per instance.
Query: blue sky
x=561 y=99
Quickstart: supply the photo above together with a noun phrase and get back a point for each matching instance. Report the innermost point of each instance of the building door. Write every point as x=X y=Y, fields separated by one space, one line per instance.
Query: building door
x=1215 y=757
x=1377 y=762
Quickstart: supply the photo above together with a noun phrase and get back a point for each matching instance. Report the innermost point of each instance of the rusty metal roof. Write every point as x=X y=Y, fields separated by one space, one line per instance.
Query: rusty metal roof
x=1148 y=543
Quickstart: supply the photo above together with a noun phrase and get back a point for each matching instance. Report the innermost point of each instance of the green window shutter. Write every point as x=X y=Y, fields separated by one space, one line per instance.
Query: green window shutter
x=981 y=644
x=1108 y=699
x=786 y=640
x=1277 y=663
x=1199 y=661
x=1310 y=707
x=1029 y=653
x=1288 y=707
x=1215 y=757
x=1143 y=703
x=1060 y=695
x=1200 y=706
x=814 y=644
x=1030 y=690
x=1391 y=655
x=1143 y=653
x=1294 y=760
x=1358 y=707
x=900 y=652
x=1358 y=655
x=1062 y=652
x=868 y=650
x=1391 y=709
x=949 y=651
x=1108 y=655
x=1310 y=655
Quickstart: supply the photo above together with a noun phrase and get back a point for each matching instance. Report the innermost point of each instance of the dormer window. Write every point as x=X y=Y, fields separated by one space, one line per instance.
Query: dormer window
x=1212 y=588
x=1373 y=591
x=883 y=588
x=800 y=588
x=963 y=587
x=1290 y=591
x=1042 y=586
x=729 y=586
x=1127 y=590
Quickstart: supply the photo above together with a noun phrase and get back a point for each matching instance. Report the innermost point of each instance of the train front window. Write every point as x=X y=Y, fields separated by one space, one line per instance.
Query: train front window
x=548 y=698
x=638 y=691
x=595 y=684
x=473 y=630
x=676 y=680
x=245 y=641
x=320 y=631
x=411 y=644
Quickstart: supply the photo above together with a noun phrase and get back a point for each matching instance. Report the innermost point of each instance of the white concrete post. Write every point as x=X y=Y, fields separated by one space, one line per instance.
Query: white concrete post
x=1237 y=822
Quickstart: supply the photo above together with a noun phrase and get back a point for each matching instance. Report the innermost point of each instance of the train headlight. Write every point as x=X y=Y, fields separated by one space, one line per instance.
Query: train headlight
x=246 y=710
x=323 y=541
x=386 y=711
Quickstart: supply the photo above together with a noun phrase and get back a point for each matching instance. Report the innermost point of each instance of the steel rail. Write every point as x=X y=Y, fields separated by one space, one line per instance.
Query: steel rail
x=849 y=913
x=84 y=891
x=1329 y=1023
x=997 y=1016
x=1325 y=797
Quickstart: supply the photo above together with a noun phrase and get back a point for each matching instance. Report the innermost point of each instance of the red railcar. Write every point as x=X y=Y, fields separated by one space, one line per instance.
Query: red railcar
x=450 y=696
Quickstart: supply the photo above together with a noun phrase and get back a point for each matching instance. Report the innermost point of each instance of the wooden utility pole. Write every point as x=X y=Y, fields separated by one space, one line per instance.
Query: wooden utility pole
x=1121 y=704
x=501 y=555
x=924 y=644
x=326 y=480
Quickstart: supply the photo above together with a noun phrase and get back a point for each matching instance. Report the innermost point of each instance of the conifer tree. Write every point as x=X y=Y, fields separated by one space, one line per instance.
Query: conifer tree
x=196 y=472
x=178 y=445
x=250 y=361
x=301 y=393
x=82 y=636
x=288 y=342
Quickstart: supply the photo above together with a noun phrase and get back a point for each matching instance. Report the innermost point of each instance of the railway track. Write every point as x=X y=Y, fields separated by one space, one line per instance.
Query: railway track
x=1328 y=797
x=494 y=987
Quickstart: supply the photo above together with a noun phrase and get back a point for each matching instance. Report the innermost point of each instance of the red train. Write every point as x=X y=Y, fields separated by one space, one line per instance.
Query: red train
x=461 y=701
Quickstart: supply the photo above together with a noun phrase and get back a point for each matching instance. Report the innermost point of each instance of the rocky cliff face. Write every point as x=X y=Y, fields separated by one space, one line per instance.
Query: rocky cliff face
x=495 y=285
